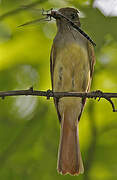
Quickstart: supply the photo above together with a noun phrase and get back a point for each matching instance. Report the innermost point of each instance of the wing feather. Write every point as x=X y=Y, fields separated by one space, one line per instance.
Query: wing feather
x=52 y=64
x=91 y=63
x=91 y=57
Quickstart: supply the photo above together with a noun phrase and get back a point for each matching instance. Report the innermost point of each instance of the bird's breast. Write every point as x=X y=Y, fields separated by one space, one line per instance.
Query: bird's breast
x=71 y=69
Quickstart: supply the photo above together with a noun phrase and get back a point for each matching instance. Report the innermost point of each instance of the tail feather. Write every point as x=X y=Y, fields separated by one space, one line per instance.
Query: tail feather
x=69 y=156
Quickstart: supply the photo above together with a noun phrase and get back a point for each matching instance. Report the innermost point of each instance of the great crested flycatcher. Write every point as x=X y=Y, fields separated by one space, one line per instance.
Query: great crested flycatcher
x=72 y=62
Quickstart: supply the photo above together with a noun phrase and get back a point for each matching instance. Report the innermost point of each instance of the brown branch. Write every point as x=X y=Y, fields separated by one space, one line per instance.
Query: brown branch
x=94 y=94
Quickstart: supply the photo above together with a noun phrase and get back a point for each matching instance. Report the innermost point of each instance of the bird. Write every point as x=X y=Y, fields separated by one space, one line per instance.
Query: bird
x=72 y=63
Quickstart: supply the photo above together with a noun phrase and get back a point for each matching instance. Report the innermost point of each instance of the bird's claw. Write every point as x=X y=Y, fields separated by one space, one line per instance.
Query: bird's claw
x=49 y=94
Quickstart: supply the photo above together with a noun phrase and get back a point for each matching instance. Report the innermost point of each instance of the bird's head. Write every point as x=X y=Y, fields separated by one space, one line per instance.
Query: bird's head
x=70 y=13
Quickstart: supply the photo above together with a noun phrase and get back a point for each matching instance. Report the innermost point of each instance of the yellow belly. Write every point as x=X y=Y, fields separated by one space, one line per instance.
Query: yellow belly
x=71 y=70
x=71 y=73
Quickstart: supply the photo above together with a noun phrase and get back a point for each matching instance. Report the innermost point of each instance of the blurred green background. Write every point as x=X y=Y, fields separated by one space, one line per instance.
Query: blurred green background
x=29 y=128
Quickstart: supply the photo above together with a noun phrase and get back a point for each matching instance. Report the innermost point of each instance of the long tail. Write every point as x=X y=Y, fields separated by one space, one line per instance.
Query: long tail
x=69 y=156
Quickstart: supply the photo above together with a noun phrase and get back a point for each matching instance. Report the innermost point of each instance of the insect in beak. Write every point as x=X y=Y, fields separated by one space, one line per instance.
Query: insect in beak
x=56 y=15
x=43 y=12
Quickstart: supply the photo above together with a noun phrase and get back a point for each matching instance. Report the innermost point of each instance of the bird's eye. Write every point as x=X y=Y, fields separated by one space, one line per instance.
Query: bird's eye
x=73 y=16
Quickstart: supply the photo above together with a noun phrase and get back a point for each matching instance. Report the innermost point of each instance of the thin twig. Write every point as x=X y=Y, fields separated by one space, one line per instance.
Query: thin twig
x=19 y=9
x=94 y=94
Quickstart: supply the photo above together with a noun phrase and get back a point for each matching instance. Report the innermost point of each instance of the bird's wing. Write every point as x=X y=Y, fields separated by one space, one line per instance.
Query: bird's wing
x=52 y=63
x=91 y=55
x=92 y=60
